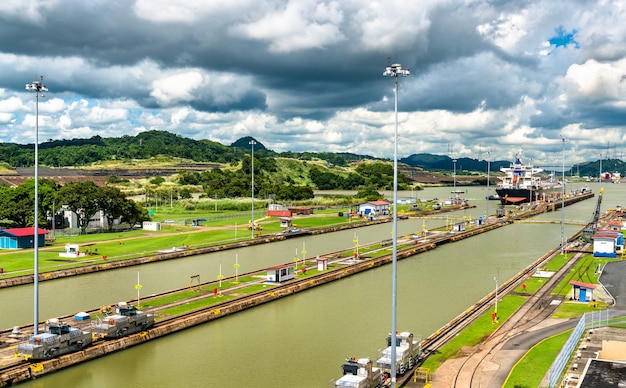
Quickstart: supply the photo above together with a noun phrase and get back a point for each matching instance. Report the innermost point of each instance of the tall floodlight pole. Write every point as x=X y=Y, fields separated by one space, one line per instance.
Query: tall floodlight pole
x=394 y=71
x=454 y=184
x=488 y=168
x=563 y=199
x=495 y=279
x=600 y=174
x=39 y=88
x=252 y=143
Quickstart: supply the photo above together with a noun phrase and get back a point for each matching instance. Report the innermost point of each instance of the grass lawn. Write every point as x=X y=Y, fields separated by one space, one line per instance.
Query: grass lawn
x=584 y=271
x=532 y=285
x=196 y=304
x=531 y=369
x=161 y=301
x=576 y=309
x=557 y=262
x=225 y=227
x=206 y=291
x=475 y=333
x=49 y=258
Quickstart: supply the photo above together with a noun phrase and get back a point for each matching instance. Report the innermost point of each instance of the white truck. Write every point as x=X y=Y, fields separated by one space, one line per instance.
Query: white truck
x=408 y=354
x=359 y=373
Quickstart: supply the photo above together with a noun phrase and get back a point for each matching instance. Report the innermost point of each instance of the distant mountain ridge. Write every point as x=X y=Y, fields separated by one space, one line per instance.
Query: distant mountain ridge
x=154 y=143
x=445 y=163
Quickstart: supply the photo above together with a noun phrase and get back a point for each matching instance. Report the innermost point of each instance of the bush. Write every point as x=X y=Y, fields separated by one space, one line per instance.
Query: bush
x=113 y=180
x=157 y=180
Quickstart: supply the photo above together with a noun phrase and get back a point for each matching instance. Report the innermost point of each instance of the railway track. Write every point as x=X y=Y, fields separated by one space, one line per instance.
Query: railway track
x=532 y=313
x=454 y=327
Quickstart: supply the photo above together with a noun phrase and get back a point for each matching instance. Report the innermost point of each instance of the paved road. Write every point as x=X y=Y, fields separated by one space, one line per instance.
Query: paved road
x=613 y=280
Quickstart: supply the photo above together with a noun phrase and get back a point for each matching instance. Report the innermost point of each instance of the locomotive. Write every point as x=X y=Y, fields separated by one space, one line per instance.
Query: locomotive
x=126 y=320
x=59 y=338
x=359 y=373
x=408 y=354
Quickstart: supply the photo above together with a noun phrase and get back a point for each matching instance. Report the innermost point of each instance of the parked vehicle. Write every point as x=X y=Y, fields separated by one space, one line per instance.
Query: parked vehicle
x=127 y=320
x=408 y=354
x=59 y=338
x=360 y=373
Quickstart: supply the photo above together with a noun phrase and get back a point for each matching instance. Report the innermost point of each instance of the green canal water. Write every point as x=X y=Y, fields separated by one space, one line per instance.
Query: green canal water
x=299 y=341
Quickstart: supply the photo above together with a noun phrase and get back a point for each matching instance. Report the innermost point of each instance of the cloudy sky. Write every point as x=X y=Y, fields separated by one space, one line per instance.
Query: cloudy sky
x=489 y=78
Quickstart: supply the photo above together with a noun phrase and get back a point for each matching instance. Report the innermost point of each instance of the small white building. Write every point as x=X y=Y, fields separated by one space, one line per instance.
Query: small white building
x=374 y=208
x=606 y=243
x=72 y=251
x=459 y=227
x=151 y=225
x=281 y=273
x=96 y=221
x=582 y=292
x=322 y=263
x=616 y=225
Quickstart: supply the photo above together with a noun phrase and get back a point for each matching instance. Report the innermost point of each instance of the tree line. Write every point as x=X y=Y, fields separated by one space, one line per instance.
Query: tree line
x=145 y=145
x=82 y=198
x=227 y=183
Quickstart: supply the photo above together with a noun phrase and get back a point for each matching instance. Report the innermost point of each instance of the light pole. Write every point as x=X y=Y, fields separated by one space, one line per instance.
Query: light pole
x=488 y=168
x=454 y=178
x=495 y=279
x=600 y=175
x=252 y=143
x=39 y=88
x=394 y=71
x=563 y=199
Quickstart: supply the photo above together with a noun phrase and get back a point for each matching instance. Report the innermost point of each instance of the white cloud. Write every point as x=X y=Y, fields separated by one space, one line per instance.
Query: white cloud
x=6 y=118
x=188 y=11
x=385 y=25
x=11 y=104
x=299 y=25
x=507 y=30
x=177 y=87
x=597 y=82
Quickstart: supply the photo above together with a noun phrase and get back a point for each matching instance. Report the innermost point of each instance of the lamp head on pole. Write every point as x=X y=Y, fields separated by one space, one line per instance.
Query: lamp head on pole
x=395 y=70
x=37 y=86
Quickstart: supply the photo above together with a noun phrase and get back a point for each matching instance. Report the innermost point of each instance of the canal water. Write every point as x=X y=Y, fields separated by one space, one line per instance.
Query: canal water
x=301 y=340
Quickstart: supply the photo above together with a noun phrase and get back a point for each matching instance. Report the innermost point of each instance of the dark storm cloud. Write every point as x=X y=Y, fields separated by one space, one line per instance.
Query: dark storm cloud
x=293 y=71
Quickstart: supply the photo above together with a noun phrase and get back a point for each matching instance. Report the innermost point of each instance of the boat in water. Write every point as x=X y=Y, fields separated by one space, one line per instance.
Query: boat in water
x=522 y=183
x=607 y=177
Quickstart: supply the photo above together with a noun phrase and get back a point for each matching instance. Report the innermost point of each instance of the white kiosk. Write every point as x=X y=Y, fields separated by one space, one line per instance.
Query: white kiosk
x=322 y=263
x=281 y=273
x=72 y=251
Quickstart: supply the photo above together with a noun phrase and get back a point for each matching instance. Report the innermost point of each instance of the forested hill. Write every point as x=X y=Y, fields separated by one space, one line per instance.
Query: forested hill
x=146 y=145
x=445 y=163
